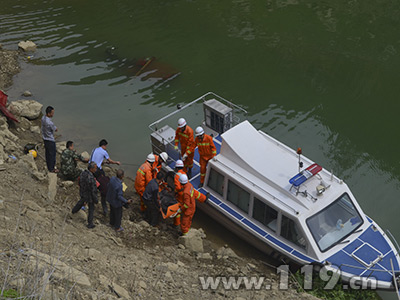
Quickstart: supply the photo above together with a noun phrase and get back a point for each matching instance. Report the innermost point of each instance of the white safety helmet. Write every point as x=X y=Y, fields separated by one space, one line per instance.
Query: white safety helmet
x=179 y=164
x=164 y=156
x=199 y=131
x=181 y=122
x=151 y=157
x=183 y=179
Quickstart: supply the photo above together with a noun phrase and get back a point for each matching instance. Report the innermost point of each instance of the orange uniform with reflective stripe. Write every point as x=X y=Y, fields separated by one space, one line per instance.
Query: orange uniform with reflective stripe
x=207 y=151
x=143 y=177
x=186 y=139
x=190 y=195
x=156 y=167
x=178 y=194
x=178 y=186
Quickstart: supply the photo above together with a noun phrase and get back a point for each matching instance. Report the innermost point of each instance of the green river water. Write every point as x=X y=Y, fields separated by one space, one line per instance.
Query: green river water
x=320 y=75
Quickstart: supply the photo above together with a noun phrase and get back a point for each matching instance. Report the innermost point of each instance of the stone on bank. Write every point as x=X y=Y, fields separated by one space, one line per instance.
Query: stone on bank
x=27 y=46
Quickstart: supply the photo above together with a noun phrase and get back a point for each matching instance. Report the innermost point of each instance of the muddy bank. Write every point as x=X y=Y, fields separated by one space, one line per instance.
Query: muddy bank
x=47 y=252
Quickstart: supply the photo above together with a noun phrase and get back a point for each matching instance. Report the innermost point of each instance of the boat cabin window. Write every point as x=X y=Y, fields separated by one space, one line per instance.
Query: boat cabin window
x=265 y=214
x=238 y=196
x=216 y=181
x=334 y=223
x=291 y=232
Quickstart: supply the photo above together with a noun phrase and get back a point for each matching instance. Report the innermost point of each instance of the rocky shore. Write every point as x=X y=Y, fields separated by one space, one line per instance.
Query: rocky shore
x=46 y=252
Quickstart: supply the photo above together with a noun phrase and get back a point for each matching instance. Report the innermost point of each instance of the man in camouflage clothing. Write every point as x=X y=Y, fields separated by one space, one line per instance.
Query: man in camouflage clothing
x=69 y=159
x=88 y=192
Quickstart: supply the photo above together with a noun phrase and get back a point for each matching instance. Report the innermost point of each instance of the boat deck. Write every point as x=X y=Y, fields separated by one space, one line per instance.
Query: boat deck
x=195 y=179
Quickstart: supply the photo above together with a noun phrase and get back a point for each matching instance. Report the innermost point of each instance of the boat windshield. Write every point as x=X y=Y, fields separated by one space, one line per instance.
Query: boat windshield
x=334 y=223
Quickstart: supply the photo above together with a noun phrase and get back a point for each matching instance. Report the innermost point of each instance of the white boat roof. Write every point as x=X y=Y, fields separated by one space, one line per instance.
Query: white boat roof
x=267 y=164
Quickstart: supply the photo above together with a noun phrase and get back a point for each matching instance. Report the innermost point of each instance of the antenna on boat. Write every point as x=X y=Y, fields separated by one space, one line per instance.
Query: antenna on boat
x=299 y=152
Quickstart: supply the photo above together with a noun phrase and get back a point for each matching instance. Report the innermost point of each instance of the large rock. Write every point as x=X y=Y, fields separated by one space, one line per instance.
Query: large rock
x=29 y=109
x=35 y=129
x=39 y=176
x=28 y=163
x=27 y=94
x=25 y=123
x=80 y=216
x=5 y=133
x=3 y=120
x=56 y=268
x=119 y=290
x=51 y=195
x=27 y=46
x=61 y=146
x=85 y=155
x=11 y=147
x=193 y=240
x=226 y=251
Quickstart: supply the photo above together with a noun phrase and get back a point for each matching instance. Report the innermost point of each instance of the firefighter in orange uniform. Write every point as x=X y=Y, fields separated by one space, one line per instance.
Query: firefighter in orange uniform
x=190 y=195
x=207 y=150
x=143 y=176
x=157 y=164
x=184 y=136
x=178 y=188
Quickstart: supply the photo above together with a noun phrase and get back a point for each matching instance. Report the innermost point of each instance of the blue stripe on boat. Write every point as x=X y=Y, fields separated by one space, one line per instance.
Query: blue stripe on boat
x=231 y=211
x=279 y=243
x=254 y=227
x=302 y=256
x=211 y=197
x=263 y=233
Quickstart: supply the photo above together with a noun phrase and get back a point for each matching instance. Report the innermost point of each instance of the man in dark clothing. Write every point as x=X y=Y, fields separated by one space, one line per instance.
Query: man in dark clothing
x=116 y=199
x=48 y=129
x=88 y=192
x=150 y=199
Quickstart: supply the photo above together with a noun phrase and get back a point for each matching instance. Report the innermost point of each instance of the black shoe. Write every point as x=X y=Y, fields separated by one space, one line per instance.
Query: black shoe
x=207 y=197
x=201 y=185
x=189 y=173
x=90 y=226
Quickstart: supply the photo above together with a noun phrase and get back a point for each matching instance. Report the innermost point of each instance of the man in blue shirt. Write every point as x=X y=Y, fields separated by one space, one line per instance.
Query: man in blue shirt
x=48 y=129
x=99 y=155
x=116 y=199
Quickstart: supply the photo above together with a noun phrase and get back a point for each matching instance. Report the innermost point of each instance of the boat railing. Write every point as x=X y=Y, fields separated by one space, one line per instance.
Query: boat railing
x=192 y=108
x=393 y=240
x=236 y=108
x=362 y=268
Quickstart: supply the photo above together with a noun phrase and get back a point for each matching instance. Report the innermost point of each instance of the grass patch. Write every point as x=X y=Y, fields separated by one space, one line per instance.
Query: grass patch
x=9 y=294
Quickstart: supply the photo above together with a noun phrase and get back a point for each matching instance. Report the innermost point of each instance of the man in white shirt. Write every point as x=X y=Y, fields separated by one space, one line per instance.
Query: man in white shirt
x=48 y=129
x=99 y=155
